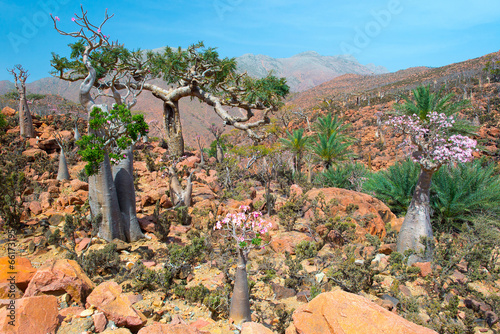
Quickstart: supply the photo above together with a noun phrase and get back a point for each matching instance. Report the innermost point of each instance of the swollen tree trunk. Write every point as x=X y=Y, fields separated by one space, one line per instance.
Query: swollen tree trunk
x=173 y=128
x=124 y=184
x=240 y=301
x=62 y=172
x=103 y=199
x=417 y=222
x=25 y=121
x=77 y=135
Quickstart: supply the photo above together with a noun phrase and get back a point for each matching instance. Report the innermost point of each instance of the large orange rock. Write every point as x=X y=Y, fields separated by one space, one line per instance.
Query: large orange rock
x=8 y=111
x=363 y=208
x=340 y=312
x=108 y=298
x=33 y=315
x=189 y=162
x=286 y=241
x=158 y=328
x=58 y=277
x=20 y=269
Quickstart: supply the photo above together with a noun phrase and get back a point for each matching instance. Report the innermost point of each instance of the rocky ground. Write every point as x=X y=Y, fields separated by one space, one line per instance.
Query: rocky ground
x=346 y=282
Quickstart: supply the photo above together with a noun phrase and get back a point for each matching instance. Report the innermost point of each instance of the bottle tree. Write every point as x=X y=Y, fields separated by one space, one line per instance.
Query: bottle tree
x=435 y=137
x=112 y=131
x=25 y=121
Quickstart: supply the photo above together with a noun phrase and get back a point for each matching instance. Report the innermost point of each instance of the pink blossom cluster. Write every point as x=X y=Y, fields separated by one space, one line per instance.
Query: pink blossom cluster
x=244 y=227
x=432 y=140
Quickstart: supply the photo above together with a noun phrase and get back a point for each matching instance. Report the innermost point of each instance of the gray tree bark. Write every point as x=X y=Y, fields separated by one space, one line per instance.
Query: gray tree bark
x=103 y=199
x=123 y=174
x=417 y=222
x=62 y=172
x=240 y=301
x=173 y=128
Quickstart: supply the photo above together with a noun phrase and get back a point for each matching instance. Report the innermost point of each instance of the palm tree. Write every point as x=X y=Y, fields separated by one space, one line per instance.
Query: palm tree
x=297 y=144
x=331 y=145
x=417 y=225
x=332 y=149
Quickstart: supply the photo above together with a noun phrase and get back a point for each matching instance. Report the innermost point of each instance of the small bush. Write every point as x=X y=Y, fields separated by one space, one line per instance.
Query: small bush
x=101 y=262
x=349 y=176
x=218 y=302
x=12 y=197
x=305 y=250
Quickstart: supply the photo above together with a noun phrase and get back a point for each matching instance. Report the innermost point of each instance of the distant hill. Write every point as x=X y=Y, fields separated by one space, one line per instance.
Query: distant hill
x=305 y=70
x=351 y=87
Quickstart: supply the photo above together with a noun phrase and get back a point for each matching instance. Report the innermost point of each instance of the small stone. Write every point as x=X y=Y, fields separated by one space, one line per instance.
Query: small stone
x=319 y=277
x=86 y=313
x=359 y=262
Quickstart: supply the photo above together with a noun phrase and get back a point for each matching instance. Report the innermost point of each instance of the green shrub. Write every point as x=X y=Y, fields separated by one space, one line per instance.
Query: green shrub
x=102 y=262
x=218 y=302
x=305 y=250
x=350 y=175
x=189 y=254
x=459 y=192
x=395 y=185
x=152 y=280
x=12 y=197
x=3 y=123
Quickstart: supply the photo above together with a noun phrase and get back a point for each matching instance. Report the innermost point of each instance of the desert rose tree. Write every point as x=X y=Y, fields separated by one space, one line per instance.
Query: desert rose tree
x=433 y=135
x=112 y=131
x=246 y=230
x=25 y=121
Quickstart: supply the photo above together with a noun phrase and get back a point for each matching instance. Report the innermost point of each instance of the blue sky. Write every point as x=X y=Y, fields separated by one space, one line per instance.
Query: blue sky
x=394 y=33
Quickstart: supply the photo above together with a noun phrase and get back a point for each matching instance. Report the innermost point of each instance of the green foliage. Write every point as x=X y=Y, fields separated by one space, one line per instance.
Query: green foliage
x=104 y=60
x=425 y=102
x=14 y=185
x=305 y=250
x=3 y=123
x=349 y=175
x=331 y=144
x=295 y=276
x=103 y=261
x=352 y=276
x=152 y=280
x=189 y=254
x=459 y=192
x=35 y=96
x=196 y=294
x=13 y=95
x=296 y=143
x=218 y=302
x=163 y=222
x=395 y=185
x=111 y=132
x=291 y=210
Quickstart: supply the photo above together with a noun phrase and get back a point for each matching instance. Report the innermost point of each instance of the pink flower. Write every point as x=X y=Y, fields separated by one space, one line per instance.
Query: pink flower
x=73 y=19
x=99 y=30
x=57 y=18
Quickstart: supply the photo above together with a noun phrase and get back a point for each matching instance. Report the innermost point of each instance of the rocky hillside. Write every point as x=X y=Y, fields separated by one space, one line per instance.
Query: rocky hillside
x=305 y=70
x=329 y=253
